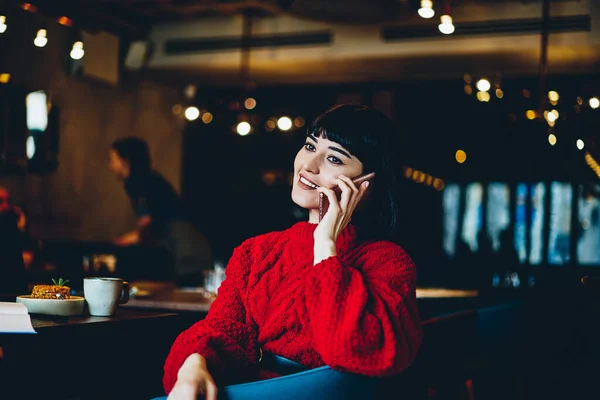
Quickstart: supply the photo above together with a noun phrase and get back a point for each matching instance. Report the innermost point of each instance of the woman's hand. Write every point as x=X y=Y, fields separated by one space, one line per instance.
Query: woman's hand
x=193 y=380
x=337 y=217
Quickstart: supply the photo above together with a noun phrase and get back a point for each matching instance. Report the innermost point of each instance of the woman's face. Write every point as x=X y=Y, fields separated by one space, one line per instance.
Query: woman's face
x=118 y=165
x=319 y=163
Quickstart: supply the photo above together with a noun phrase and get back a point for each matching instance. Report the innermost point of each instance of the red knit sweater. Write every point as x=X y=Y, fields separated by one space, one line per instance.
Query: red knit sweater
x=355 y=312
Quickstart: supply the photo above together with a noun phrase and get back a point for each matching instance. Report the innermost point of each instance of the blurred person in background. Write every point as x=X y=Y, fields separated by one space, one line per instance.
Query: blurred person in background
x=159 y=211
x=13 y=277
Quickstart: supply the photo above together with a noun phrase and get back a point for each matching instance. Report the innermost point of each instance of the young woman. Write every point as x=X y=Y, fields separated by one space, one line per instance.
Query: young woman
x=334 y=292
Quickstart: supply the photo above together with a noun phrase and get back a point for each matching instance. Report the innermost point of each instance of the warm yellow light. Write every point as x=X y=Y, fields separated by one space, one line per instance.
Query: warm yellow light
x=594 y=102
x=28 y=7
x=77 y=52
x=177 y=109
x=579 y=100
x=446 y=26
x=460 y=156
x=207 y=117
x=483 y=96
x=553 y=96
x=499 y=93
x=468 y=90
x=284 y=123
x=192 y=113
x=243 y=128
x=483 y=85
x=530 y=114
x=66 y=21
x=580 y=144
x=552 y=139
x=250 y=103
x=270 y=125
x=3 y=25
x=4 y=78
x=299 y=122
x=40 y=38
x=426 y=10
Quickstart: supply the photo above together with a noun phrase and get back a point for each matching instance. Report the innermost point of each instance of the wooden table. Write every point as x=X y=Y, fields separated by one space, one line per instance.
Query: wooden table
x=174 y=300
x=90 y=357
x=197 y=301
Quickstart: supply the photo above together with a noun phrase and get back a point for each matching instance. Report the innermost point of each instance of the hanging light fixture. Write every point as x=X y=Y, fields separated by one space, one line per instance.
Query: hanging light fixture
x=3 y=25
x=77 y=51
x=446 y=26
x=40 y=38
x=426 y=10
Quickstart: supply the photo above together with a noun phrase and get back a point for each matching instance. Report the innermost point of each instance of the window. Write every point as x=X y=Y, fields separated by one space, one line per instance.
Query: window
x=560 y=223
x=588 y=241
x=451 y=204
x=472 y=216
x=498 y=212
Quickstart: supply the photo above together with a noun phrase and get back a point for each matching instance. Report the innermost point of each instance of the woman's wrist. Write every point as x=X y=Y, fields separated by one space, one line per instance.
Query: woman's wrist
x=324 y=249
x=193 y=362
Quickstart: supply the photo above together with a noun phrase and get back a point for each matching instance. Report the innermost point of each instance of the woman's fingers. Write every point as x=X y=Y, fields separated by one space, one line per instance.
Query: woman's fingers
x=354 y=198
x=361 y=192
x=347 y=188
x=211 y=390
x=334 y=205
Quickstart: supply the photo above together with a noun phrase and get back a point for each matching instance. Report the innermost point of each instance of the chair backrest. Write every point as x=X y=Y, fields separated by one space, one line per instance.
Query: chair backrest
x=321 y=383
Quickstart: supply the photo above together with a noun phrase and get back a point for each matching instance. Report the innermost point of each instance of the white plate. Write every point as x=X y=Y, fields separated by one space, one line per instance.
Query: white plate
x=67 y=308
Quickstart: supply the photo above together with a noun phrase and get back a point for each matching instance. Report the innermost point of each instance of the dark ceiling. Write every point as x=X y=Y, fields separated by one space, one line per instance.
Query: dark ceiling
x=137 y=16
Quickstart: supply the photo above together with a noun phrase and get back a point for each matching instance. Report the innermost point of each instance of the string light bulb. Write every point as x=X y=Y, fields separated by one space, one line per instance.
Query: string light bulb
x=426 y=10
x=192 y=113
x=594 y=102
x=284 y=123
x=243 y=128
x=553 y=96
x=483 y=85
x=3 y=25
x=77 y=52
x=40 y=38
x=446 y=26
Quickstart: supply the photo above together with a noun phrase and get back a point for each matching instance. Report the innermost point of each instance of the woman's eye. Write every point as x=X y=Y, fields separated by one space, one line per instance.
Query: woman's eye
x=335 y=160
x=309 y=147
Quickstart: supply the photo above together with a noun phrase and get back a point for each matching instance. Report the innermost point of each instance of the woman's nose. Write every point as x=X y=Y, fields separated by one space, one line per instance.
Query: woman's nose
x=311 y=164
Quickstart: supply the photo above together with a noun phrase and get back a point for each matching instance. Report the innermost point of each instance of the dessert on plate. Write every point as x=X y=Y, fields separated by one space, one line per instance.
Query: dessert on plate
x=58 y=291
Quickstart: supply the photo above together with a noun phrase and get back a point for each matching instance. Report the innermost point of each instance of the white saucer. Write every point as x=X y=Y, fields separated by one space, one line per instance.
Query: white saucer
x=67 y=308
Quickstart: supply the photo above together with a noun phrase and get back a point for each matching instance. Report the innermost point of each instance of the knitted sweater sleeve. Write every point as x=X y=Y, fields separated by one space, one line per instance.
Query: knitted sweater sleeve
x=223 y=337
x=364 y=318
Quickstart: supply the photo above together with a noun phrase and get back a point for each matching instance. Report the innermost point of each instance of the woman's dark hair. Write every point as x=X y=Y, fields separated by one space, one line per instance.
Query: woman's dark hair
x=135 y=151
x=372 y=137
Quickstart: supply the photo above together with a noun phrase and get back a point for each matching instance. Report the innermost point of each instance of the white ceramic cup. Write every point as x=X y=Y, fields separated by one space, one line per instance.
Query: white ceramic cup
x=103 y=295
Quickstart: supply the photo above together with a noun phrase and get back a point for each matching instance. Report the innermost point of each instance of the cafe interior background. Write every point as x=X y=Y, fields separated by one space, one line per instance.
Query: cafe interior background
x=497 y=103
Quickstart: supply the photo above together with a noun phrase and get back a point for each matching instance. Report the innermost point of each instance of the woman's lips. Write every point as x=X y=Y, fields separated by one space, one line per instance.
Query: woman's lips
x=306 y=184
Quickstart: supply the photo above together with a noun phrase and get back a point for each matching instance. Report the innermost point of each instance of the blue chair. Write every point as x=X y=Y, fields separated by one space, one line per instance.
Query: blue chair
x=321 y=383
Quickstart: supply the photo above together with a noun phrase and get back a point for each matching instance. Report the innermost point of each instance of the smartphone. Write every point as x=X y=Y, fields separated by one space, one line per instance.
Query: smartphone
x=324 y=203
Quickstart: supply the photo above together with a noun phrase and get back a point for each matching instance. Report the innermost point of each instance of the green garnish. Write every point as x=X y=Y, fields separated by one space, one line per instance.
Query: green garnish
x=60 y=282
